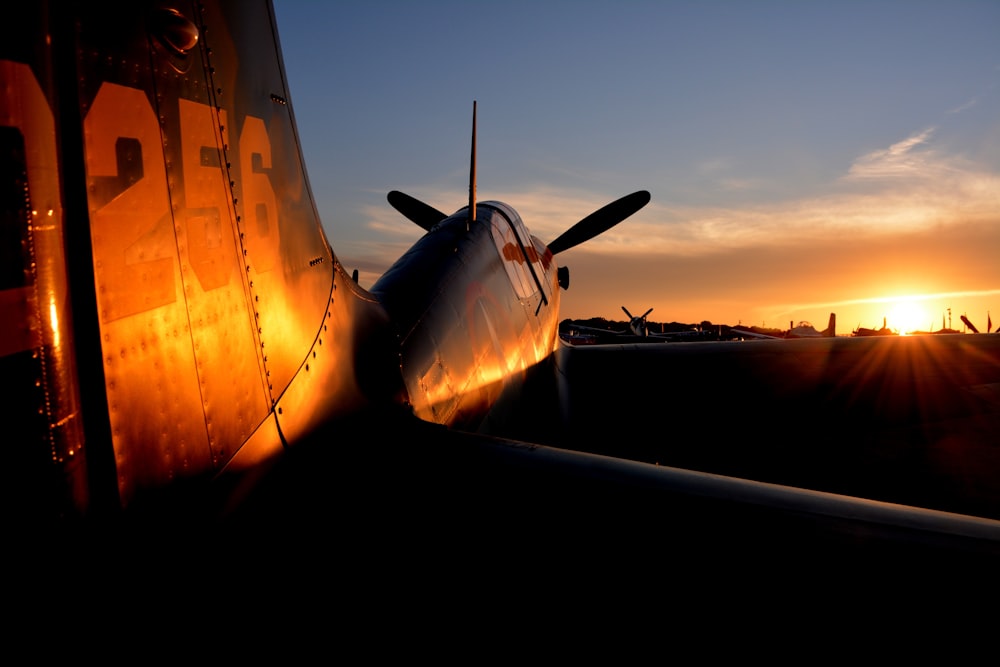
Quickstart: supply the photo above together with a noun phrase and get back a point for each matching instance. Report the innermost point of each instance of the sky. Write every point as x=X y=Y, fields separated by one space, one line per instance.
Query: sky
x=803 y=157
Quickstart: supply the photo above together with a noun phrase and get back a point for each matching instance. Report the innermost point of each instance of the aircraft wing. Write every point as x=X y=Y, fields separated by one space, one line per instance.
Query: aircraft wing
x=601 y=332
x=786 y=455
x=468 y=493
x=908 y=420
x=753 y=334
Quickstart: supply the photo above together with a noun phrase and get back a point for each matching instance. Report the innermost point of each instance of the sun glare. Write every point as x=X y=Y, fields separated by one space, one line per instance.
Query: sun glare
x=907 y=316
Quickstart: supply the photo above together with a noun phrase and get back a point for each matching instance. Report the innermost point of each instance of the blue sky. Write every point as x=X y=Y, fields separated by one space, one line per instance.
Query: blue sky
x=803 y=157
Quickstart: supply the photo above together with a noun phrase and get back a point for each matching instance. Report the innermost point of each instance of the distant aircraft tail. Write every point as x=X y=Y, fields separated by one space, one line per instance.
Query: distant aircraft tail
x=831 y=327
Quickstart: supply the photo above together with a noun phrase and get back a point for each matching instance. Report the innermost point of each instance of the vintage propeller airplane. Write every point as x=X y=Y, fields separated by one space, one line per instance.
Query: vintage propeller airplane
x=637 y=324
x=184 y=346
x=637 y=331
x=637 y=328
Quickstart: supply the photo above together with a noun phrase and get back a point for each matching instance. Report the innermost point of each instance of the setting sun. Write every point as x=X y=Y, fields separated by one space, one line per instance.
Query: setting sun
x=908 y=316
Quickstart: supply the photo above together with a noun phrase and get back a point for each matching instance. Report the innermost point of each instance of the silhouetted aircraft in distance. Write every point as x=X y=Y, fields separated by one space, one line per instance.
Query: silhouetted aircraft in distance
x=945 y=326
x=807 y=330
x=638 y=330
x=186 y=356
x=637 y=327
x=801 y=330
x=972 y=327
x=969 y=324
x=637 y=324
x=749 y=332
x=884 y=331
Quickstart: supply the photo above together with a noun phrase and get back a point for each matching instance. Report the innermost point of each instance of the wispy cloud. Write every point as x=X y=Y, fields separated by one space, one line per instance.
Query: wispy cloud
x=714 y=166
x=901 y=159
x=965 y=107
x=906 y=187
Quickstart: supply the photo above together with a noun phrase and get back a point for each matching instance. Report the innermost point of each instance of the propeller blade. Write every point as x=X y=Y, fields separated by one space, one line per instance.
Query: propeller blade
x=626 y=312
x=647 y=313
x=600 y=221
x=415 y=210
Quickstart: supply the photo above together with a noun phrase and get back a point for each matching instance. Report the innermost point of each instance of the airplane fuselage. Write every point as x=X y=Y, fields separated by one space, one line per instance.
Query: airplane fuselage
x=461 y=350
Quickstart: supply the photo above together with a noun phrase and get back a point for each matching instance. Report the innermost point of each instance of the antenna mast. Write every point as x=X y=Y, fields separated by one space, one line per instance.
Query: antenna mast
x=472 y=170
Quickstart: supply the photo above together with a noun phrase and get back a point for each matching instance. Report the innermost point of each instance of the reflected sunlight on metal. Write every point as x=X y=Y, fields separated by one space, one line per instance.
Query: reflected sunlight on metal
x=210 y=272
x=459 y=357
